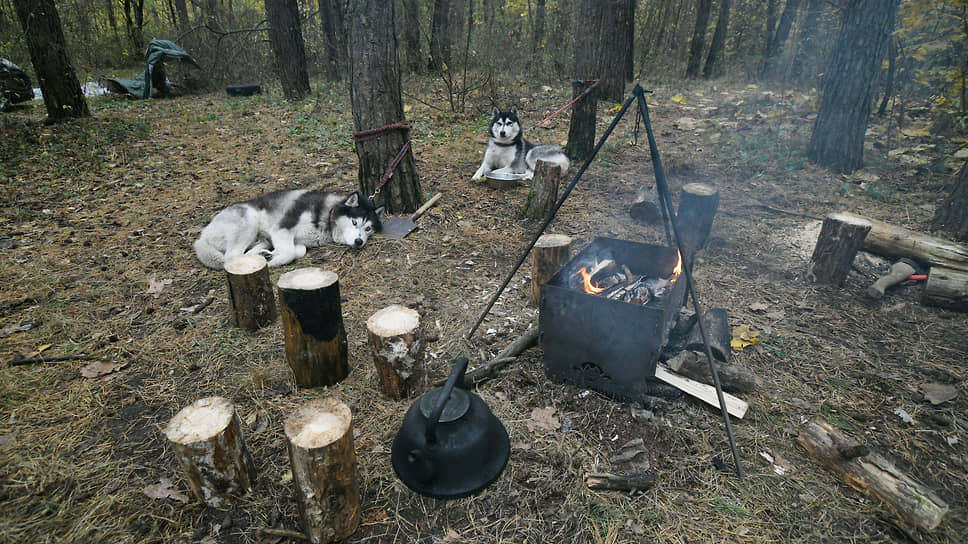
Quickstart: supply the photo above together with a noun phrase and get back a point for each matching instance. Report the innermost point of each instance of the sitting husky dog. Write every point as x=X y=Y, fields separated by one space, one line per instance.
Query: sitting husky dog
x=509 y=153
x=281 y=225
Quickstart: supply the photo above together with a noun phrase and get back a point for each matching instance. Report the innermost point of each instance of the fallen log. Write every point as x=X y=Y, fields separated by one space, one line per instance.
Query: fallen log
x=894 y=242
x=645 y=209
x=872 y=475
x=947 y=288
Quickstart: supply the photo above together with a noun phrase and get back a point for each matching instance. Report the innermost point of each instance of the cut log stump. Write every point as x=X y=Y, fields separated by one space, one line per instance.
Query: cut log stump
x=320 y=441
x=396 y=345
x=645 y=209
x=697 y=209
x=250 y=292
x=207 y=440
x=841 y=235
x=544 y=190
x=871 y=474
x=550 y=253
x=312 y=319
x=947 y=288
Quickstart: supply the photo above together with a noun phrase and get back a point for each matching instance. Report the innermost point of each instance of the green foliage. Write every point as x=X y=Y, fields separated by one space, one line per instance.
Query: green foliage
x=932 y=35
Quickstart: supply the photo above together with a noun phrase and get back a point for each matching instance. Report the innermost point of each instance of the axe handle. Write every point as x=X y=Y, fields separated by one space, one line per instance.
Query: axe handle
x=426 y=206
x=899 y=272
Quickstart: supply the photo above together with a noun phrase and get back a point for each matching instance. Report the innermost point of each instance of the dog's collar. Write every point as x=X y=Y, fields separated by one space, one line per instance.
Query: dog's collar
x=331 y=213
x=503 y=145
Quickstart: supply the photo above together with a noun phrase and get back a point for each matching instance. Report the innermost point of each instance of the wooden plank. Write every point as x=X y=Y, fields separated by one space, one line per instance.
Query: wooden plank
x=735 y=406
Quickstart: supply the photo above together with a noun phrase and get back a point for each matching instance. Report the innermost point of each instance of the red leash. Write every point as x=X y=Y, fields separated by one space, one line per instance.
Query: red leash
x=576 y=99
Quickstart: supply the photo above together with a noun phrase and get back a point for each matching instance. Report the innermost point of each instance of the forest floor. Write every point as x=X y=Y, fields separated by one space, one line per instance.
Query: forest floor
x=97 y=218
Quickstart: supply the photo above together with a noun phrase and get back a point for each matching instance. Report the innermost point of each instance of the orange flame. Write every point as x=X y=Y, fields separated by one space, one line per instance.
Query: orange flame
x=589 y=288
x=678 y=269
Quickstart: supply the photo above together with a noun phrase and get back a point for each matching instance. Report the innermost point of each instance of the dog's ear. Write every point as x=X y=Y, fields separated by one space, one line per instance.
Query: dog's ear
x=494 y=111
x=380 y=212
x=353 y=200
x=514 y=110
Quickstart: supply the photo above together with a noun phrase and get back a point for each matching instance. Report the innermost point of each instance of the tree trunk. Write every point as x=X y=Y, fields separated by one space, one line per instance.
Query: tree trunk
x=378 y=104
x=717 y=49
x=441 y=35
x=775 y=46
x=58 y=82
x=838 y=133
x=581 y=129
x=806 y=62
x=285 y=34
x=181 y=9
x=334 y=35
x=952 y=215
x=698 y=42
x=415 y=57
x=614 y=49
x=891 y=70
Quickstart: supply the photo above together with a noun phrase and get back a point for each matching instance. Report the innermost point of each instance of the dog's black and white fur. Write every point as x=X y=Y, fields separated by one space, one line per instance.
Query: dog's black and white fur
x=509 y=153
x=282 y=224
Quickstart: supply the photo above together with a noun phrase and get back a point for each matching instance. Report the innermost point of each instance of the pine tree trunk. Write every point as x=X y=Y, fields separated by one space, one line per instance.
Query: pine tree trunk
x=415 y=57
x=377 y=103
x=334 y=33
x=806 y=61
x=441 y=38
x=614 y=49
x=838 y=133
x=717 y=49
x=58 y=82
x=285 y=33
x=698 y=42
x=952 y=215
x=775 y=47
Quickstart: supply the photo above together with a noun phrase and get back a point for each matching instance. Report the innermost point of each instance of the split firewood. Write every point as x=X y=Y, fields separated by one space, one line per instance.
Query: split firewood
x=734 y=377
x=606 y=266
x=736 y=407
x=716 y=323
x=638 y=481
x=872 y=475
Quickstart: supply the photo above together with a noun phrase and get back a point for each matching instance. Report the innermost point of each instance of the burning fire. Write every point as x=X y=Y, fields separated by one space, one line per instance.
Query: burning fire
x=587 y=278
x=678 y=269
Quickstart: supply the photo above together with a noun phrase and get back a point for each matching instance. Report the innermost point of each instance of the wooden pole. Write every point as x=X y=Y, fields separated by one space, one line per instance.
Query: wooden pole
x=697 y=209
x=946 y=288
x=551 y=251
x=841 y=235
x=396 y=346
x=544 y=190
x=320 y=441
x=312 y=319
x=872 y=474
x=207 y=440
x=250 y=292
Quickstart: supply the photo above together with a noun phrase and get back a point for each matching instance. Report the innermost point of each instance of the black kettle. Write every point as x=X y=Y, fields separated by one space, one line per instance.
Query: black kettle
x=450 y=444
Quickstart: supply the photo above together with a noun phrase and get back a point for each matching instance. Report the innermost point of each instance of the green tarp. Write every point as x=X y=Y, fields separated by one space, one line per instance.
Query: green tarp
x=156 y=54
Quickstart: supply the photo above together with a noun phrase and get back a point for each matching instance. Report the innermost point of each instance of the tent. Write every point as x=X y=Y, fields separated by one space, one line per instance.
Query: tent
x=155 y=75
x=14 y=85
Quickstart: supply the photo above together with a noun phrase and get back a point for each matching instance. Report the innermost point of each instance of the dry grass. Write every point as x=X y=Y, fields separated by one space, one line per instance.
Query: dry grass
x=93 y=210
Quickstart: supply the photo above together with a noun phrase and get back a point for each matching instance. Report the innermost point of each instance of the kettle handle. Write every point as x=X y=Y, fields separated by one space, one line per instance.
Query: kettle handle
x=456 y=378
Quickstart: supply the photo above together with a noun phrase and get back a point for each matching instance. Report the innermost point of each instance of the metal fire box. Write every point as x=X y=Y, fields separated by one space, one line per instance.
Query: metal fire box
x=608 y=345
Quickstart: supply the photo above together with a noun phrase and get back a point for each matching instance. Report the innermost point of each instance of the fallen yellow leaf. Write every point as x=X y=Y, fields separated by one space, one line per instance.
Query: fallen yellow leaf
x=678 y=99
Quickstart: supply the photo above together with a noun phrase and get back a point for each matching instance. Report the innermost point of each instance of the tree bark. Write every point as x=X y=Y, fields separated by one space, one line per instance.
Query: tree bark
x=778 y=38
x=946 y=288
x=840 y=237
x=441 y=34
x=717 y=49
x=952 y=215
x=550 y=253
x=319 y=435
x=377 y=103
x=58 y=82
x=312 y=320
x=413 y=49
x=334 y=34
x=250 y=292
x=838 y=133
x=581 y=129
x=544 y=190
x=892 y=241
x=396 y=345
x=698 y=42
x=614 y=49
x=806 y=62
x=285 y=34
x=207 y=440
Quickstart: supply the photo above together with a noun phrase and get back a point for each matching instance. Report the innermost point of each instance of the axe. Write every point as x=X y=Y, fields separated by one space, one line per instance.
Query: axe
x=900 y=271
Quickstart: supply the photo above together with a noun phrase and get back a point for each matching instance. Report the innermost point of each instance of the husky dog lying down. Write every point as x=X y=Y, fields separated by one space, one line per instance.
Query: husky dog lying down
x=282 y=224
x=509 y=153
